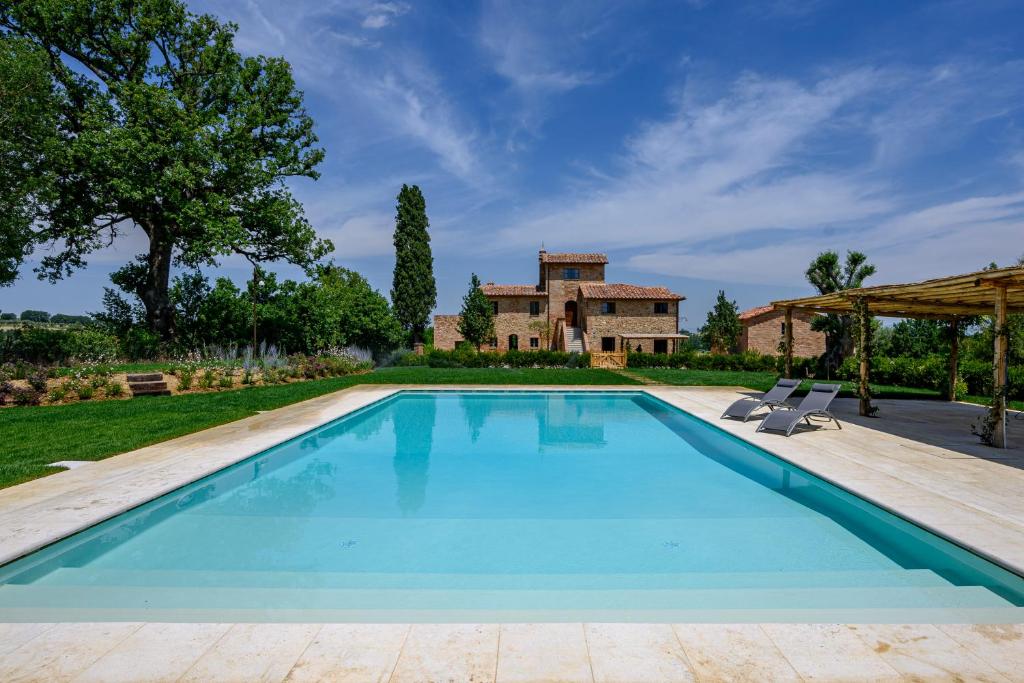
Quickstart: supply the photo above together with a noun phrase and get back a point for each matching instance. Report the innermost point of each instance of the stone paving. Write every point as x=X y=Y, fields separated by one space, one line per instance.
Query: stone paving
x=916 y=460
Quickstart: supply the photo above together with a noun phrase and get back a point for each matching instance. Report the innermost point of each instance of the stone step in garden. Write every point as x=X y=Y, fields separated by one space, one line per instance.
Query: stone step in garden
x=153 y=384
x=145 y=377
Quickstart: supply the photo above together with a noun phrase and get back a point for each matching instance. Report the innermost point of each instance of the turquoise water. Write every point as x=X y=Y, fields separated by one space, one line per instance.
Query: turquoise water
x=448 y=506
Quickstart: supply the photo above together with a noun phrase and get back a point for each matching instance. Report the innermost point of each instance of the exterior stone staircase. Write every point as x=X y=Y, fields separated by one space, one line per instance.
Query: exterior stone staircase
x=574 y=340
x=148 y=384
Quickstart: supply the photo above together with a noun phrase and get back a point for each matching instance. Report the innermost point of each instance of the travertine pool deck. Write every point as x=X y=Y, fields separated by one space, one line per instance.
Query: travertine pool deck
x=918 y=460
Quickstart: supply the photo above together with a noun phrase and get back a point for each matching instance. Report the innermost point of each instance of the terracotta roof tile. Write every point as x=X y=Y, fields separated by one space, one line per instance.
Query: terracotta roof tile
x=594 y=290
x=754 y=312
x=572 y=258
x=512 y=290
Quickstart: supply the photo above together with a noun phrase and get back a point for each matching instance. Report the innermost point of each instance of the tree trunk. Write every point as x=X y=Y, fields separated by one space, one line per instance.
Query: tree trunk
x=156 y=297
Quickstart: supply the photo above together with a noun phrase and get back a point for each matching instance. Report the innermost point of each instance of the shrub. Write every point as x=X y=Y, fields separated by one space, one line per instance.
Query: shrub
x=207 y=379
x=6 y=389
x=185 y=376
x=26 y=396
x=57 y=394
x=98 y=381
x=114 y=389
x=85 y=392
x=138 y=343
x=89 y=345
x=225 y=382
x=37 y=380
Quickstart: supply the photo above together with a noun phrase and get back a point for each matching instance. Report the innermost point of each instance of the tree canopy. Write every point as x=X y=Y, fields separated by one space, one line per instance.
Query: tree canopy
x=335 y=308
x=828 y=275
x=153 y=121
x=413 y=291
x=476 y=323
x=722 y=328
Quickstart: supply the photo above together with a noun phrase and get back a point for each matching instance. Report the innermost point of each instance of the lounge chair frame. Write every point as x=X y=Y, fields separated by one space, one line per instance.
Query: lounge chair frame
x=745 y=407
x=799 y=414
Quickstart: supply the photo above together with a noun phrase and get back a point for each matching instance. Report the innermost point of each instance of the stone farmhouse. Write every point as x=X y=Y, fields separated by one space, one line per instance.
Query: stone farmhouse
x=572 y=308
x=764 y=327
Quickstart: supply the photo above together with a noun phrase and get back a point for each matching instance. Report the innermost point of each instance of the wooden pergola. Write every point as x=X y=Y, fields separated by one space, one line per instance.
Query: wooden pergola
x=997 y=292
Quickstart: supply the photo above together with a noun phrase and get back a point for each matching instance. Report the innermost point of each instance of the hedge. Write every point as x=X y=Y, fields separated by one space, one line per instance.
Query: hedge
x=932 y=372
x=749 y=361
x=54 y=345
x=468 y=358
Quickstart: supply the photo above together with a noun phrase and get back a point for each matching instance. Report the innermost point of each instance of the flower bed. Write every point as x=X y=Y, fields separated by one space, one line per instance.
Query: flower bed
x=27 y=385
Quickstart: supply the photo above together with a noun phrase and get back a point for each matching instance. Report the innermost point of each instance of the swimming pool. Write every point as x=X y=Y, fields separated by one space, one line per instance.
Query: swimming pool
x=509 y=506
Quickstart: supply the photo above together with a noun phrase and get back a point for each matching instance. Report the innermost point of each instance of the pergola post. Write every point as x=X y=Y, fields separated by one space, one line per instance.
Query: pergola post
x=954 y=356
x=788 y=341
x=999 y=369
x=864 y=347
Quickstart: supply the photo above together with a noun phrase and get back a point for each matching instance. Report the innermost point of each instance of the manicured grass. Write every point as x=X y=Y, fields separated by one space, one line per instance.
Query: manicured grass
x=763 y=381
x=34 y=437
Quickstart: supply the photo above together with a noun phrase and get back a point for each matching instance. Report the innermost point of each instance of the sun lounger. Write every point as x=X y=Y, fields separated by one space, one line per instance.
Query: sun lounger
x=815 y=404
x=775 y=398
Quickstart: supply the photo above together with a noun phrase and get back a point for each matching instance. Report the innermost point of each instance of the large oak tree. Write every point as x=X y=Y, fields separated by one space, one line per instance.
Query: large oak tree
x=159 y=124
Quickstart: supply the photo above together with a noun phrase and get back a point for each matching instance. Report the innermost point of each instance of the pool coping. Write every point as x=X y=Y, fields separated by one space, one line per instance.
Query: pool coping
x=314 y=413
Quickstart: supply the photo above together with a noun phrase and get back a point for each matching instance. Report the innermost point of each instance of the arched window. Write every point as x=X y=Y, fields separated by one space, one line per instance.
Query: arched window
x=513 y=342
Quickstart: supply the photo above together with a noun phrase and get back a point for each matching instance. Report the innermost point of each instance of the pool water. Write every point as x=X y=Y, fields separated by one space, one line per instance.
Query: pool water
x=510 y=506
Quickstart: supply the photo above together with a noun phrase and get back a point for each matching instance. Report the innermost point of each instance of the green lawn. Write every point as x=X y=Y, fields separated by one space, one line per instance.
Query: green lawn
x=33 y=437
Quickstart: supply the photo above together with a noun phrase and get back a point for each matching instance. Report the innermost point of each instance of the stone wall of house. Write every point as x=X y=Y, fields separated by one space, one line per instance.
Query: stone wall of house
x=514 y=318
x=762 y=333
x=561 y=290
x=631 y=317
x=446 y=331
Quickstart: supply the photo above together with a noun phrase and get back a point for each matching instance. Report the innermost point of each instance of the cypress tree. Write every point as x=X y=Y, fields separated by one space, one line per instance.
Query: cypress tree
x=413 y=289
x=723 y=326
x=477 y=322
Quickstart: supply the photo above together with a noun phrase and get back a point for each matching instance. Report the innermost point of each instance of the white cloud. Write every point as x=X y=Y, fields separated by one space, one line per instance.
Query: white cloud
x=361 y=236
x=535 y=48
x=379 y=95
x=740 y=188
x=381 y=14
x=718 y=169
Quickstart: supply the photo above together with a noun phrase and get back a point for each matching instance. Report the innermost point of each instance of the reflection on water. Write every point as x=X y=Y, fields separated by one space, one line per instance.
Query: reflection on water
x=475 y=412
x=565 y=423
x=413 y=425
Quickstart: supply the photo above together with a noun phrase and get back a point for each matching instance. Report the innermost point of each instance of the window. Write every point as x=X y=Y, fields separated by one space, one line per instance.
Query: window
x=783 y=327
x=661 y=307
x=534 y=342
x=534 y=308
x=495 y=305
x=513 y=342
x=571 y=274
x=607 y=343
x=661 y=345
x=608 y=307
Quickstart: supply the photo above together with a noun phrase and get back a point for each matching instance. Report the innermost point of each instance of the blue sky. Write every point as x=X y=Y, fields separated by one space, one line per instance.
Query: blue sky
x=703 y=145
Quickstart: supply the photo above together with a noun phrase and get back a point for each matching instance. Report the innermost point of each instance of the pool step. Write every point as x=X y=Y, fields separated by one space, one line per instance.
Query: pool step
x=88 y=576
x=148 y=384
x=142 y=597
